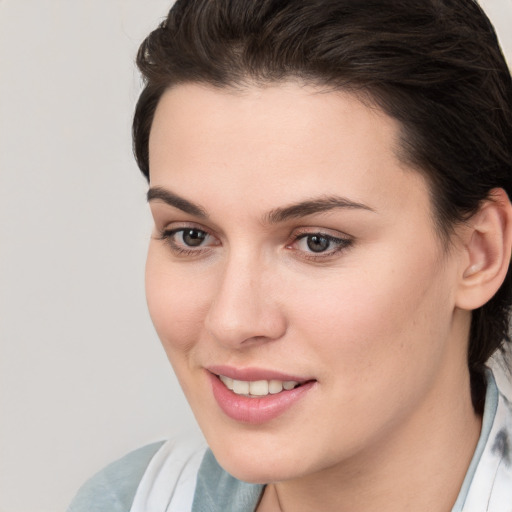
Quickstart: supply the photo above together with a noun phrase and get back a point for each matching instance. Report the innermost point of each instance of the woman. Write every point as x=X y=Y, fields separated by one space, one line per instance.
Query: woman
x=329 y=268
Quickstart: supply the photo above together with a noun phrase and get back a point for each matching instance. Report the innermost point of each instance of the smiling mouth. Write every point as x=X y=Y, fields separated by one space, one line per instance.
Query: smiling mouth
x=258 y=388
x=251 y=398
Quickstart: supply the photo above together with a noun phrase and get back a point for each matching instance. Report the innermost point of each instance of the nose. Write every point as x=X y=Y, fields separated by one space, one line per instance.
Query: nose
x=244 y=309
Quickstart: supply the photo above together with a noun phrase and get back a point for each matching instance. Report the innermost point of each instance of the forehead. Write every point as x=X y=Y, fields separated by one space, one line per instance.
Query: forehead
x=262 y=146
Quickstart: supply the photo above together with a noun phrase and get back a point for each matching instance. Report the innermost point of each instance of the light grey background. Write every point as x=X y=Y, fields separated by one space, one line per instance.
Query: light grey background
x=83 y=378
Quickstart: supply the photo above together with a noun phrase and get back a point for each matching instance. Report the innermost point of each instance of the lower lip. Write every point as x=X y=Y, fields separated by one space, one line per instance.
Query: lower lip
x=256 y=410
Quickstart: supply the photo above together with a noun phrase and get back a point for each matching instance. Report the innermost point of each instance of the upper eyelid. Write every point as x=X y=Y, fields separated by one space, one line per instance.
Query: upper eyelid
x=168 y=226
x=329 y=232
x=165 y=215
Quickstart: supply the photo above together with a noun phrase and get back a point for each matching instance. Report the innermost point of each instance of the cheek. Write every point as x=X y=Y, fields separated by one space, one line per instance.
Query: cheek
x=378 y=320
x=377 y=340
x=177 y=303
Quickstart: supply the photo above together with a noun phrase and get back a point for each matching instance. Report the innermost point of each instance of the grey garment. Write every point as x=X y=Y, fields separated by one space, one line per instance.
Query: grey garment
x=113 y=488
x=218 y=491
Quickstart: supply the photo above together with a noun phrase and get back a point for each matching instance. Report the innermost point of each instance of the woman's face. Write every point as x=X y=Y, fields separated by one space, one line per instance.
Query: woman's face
x=291 y=246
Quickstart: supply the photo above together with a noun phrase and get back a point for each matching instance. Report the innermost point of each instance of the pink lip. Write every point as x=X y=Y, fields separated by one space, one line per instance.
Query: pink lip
x=257 y=410
x=253 y=374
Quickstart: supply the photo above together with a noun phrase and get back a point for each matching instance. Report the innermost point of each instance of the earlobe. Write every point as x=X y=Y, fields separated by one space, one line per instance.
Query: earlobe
x=488 y=248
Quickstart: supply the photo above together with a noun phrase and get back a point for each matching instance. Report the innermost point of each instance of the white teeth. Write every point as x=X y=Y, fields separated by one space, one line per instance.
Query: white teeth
x=240 y=387
x=275 y=386
x=227 y=381
x=258 y=387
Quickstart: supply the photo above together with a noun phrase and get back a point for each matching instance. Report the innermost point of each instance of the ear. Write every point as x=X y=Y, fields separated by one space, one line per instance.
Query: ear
x=488 y=246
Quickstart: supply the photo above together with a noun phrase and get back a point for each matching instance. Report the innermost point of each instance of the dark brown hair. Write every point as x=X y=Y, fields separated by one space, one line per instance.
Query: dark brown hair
x=434 y=65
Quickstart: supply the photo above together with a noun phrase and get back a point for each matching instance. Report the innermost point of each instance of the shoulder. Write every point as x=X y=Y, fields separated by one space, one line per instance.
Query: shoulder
x=113 y=488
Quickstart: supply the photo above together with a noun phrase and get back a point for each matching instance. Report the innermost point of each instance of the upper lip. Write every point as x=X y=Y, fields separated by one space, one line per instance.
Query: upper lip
x=254 y=374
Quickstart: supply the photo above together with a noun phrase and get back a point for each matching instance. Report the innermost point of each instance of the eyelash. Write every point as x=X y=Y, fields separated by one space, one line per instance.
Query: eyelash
x=342 y=243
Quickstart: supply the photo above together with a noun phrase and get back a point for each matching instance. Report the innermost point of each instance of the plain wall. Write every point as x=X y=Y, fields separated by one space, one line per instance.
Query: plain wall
x=83 y=378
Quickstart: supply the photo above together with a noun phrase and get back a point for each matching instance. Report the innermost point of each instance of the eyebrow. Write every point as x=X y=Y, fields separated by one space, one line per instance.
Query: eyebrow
x=275 y=216
x=310 y=207
x=178 y=202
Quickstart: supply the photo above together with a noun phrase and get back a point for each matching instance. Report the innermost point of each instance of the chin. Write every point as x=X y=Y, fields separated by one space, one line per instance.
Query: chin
x=256 y=472
x=258 y=467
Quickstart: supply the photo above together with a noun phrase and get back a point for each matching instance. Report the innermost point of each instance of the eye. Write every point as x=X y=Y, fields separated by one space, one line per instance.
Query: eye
x=188 y=240
x=319 y=245
x=192 y=237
